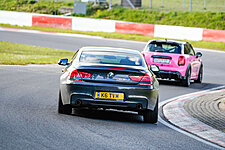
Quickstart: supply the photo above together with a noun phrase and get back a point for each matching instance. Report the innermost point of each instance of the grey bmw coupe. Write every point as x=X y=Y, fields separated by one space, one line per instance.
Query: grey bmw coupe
x=109 y=78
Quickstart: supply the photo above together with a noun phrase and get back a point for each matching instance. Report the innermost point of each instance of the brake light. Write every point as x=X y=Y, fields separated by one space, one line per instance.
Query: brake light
x=77 y=76
x=146 y=79
x=74 y=75
x=181 y=61
x=143 y=54
x=85 y=74
x=136 y=78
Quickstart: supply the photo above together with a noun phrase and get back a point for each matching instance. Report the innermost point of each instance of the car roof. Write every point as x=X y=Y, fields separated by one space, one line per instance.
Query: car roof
x=168 y=41
x=111 y=49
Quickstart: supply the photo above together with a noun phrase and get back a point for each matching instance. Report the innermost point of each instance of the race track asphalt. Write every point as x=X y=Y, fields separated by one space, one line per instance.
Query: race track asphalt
x=28 y=105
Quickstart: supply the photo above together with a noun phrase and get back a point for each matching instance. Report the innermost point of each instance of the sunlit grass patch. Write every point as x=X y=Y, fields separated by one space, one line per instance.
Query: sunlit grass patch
x=20 y=54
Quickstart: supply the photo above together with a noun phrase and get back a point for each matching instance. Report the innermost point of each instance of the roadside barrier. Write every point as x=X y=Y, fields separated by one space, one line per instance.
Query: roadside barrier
x=104 y=25
x=135 y=28
x=52 y=21
x=16 y=18
x=214 y=35
x=178 y=32
x=96 y=25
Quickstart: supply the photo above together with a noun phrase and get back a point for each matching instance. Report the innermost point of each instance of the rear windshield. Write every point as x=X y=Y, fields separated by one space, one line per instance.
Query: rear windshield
x=165 y=47
x=111 y=58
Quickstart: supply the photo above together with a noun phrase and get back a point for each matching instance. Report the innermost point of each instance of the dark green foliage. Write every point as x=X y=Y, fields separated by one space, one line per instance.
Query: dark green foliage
x=92 y=9
x=43 y=7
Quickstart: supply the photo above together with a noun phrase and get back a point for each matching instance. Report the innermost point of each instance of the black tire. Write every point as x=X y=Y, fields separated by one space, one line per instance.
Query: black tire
x=151 y=116
x=63 y=109
x=187 y=81
x=200 y=76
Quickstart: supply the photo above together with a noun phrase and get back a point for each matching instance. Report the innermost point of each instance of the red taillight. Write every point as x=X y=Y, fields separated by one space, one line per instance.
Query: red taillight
x=85 y=74
x=147 y=79
x=76 y=76
x=181 y=61
x=136 y=78
x=143 y=54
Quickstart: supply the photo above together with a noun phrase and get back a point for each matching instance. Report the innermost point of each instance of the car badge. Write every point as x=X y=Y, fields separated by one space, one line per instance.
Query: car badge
x=111 y=75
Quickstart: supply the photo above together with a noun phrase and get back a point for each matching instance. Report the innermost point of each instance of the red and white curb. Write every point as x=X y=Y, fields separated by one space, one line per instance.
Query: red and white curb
x=105 y=25
x=175 y=113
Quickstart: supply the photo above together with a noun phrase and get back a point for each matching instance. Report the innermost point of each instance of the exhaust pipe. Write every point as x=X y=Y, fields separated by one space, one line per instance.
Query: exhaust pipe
x=78 y=102
x=139 y=106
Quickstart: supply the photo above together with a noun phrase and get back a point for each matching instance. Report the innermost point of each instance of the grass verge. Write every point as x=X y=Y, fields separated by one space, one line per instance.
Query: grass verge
x=20 y=54
x=199 y=44
x=210 y=20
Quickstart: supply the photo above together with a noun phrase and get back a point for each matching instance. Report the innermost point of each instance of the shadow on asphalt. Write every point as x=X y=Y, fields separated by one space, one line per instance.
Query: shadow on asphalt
x=202 y=86
x=112 y=115
x=132 y=117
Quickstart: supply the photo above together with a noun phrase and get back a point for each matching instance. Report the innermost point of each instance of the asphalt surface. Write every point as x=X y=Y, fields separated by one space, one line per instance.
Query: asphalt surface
x=28 y=105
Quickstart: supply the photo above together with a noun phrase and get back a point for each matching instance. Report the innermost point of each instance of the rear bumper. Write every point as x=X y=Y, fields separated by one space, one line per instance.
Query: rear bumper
x=172 y=72
x=127 y=105
x=83 y=95
x=168 y=75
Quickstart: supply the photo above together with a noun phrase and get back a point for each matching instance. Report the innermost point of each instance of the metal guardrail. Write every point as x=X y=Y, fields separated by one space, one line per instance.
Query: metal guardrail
x=172 y=5
x=181 y=5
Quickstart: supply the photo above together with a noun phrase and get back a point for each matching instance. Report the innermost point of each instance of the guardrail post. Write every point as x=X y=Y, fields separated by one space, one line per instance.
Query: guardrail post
x=150 y=4
x=162 y=4
x=131 y=5
x=205 y=4
x=190 y=5
x=110 y=4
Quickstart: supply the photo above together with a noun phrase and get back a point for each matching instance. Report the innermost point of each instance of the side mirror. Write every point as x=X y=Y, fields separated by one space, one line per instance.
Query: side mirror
x=63 y=62
x=154 y=68
x=198 y=54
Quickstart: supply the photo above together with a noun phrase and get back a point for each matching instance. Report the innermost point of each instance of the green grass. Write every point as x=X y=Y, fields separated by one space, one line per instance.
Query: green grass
x=20 y=54
x=43 y=7
x=199 y=44
x=210 y=20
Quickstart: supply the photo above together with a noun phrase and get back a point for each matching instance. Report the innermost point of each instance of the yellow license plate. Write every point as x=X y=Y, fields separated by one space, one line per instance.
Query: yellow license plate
x=109 y=95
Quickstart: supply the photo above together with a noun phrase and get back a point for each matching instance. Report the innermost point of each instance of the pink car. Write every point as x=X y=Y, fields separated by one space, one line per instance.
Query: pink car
x=174 y=60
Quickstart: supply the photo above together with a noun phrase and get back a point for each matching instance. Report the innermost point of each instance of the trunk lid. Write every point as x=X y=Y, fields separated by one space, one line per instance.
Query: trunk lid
x=111 y=74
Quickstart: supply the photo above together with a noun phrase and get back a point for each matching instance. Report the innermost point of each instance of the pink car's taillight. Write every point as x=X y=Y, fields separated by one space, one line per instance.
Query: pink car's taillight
x=181 y=61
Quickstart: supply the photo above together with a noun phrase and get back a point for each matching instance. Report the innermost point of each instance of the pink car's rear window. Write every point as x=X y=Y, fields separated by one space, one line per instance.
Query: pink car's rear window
x=165 y=47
